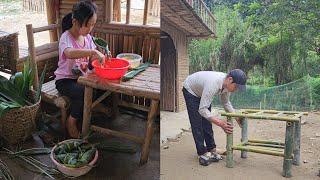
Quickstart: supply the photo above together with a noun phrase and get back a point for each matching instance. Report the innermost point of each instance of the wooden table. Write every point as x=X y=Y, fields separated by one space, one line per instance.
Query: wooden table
x=146 y=84
x=289 y=150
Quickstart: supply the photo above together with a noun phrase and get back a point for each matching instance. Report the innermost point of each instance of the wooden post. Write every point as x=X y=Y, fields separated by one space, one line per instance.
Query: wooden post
x=117 y=10
x=244 y=135
x=297 y=139
x=287 y=161
x=128 y=11
x=87 y=110
x=109 y=11
x=51 y=16
x=32 y=55
x=230 y=162
x=145 y=14
x=149 y=132
x=115 y=105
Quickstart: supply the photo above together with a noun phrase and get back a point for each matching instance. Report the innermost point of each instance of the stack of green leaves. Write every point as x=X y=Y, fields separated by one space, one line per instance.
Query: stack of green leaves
x=74 y=154
x=14 y=91
x=135 y=71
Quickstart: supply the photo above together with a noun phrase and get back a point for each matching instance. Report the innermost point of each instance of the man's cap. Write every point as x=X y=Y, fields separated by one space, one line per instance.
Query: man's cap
x=239 y=77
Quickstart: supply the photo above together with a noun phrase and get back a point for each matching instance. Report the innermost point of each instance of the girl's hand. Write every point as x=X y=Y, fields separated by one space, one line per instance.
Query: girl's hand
x=99 y=55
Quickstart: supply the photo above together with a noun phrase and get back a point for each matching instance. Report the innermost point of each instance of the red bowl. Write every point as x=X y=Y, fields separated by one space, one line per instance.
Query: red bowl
x=114 y=68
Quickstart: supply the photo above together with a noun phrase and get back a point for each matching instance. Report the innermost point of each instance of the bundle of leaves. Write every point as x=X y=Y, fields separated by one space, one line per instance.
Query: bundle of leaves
x=15 y=92
x=74 y=154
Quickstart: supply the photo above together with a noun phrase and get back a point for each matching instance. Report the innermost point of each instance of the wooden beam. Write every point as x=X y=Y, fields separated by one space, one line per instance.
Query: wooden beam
x=109 y=10
x=117 y=134
x=134 y=106
x=101 y=98
x=45 y=28
x=145 y=13
x=128 y=11
x=51 y=16
x=32 y=55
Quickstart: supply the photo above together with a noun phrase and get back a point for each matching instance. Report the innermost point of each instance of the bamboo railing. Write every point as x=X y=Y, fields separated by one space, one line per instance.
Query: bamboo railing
x=204 y=13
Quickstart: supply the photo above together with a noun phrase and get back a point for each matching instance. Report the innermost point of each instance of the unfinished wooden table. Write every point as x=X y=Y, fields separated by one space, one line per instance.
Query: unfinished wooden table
x=290 y=149
x=146 y=84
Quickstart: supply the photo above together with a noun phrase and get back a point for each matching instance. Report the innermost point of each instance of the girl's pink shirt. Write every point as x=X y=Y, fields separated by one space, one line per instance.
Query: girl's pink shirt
x=65 y=65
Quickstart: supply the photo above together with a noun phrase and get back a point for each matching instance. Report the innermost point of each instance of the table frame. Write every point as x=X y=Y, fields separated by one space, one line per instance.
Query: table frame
x=90 y=82
x=290 y=150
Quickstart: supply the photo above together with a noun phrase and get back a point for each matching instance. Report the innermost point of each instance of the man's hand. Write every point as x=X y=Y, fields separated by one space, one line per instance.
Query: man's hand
x=227 y=127
x=239 y=121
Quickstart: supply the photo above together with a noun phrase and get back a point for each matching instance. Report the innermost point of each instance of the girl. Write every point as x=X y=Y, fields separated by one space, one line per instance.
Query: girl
x=75 y=49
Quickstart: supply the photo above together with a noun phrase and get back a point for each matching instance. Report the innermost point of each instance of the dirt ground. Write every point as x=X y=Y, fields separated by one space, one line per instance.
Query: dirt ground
x=179 y=159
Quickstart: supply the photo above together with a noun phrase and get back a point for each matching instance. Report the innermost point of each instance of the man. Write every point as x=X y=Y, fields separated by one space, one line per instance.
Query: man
x=198 y=90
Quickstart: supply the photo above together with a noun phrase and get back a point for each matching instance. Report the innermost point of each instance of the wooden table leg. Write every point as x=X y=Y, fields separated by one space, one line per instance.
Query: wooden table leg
x=296 y=140
x=287 y=161
x=230 y=162
x=87 y=110
x=115 y=105
x=149 y=132
x=244 y=135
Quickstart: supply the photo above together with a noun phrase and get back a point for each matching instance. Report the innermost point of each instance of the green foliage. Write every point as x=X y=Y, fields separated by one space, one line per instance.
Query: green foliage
x=279 y=40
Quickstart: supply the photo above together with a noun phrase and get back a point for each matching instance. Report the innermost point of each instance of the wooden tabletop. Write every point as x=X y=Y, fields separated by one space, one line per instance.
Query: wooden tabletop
x=145 y=84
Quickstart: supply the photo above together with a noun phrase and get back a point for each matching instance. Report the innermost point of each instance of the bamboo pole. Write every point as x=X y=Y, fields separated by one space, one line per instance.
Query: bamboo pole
x=297 y=140
x=265 y=145
x=258 y=150
x=265 y=142
x=87 y=110
x=273 y=111
x=244 y=135
x=287 y=160
x=230 y=162
x=268 y=117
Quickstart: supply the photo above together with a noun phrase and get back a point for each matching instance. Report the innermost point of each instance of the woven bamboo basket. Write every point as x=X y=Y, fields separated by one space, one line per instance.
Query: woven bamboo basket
x=18 y=124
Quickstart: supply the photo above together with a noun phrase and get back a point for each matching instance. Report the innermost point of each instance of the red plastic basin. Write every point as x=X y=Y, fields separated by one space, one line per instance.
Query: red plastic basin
x=112 y=69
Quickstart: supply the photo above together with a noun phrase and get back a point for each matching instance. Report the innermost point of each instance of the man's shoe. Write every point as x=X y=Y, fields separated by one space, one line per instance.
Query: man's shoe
x=204 y=160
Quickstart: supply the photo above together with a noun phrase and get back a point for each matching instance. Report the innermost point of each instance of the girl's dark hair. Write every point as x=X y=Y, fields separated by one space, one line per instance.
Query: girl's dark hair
x=82 y=12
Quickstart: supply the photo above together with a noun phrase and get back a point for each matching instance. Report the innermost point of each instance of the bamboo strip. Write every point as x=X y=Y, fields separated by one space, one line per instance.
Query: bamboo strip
x=290 y=119
x=274 y=111
x=265 y=145
x=266 y=142
x=256 y=150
